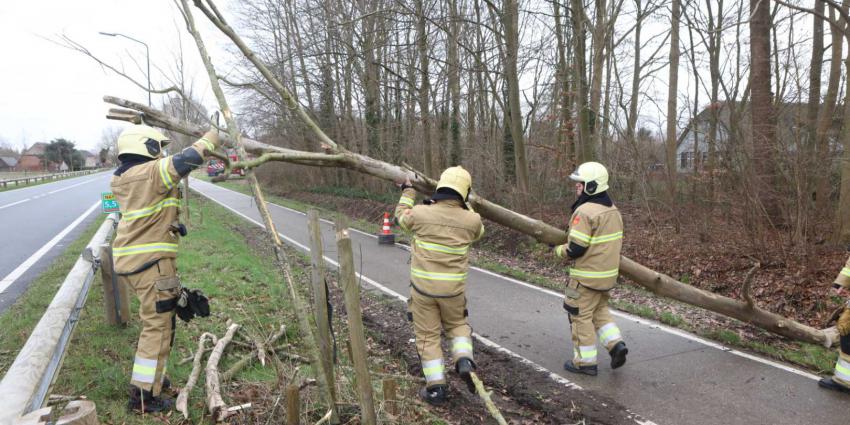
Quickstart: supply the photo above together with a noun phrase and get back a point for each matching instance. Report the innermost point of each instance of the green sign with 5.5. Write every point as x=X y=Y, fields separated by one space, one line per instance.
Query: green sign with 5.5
x=108 y=203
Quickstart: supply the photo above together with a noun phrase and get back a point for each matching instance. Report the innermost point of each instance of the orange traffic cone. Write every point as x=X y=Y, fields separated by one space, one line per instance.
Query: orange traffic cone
x=386 y=237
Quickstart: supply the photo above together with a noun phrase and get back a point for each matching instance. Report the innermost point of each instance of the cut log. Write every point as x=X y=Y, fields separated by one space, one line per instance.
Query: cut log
x=658 y=283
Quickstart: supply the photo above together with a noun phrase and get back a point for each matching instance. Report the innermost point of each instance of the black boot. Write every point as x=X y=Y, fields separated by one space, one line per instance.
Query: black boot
x=829 y=384
x=434 y=395
x=569 y=366
x=618 y=355
x=464 y=368
x=142 y=401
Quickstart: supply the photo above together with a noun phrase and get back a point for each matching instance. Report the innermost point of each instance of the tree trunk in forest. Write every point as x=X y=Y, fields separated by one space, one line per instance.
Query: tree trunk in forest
x=672 y=92
x=585 y=149
x=563 y=97
x=631 y=123
x=545 y=233
x=827 y=113
x=763 y=131
x=454 y=83
x=510 y=21
x=600 y=37
x=424 y=86
x=370 y=82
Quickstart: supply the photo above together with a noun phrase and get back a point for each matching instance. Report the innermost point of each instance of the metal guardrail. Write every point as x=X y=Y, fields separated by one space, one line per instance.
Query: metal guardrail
x=27 y=180
x=26 y=384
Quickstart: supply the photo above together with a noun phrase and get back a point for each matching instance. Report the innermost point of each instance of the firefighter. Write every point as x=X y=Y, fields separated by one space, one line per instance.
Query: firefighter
x=594 y=243
x=443 y=228
x=840 y=380
x=146 y=187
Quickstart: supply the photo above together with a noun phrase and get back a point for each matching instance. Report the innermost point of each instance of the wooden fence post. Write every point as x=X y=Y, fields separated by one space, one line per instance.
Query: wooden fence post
x=293 y=405
x=320 y=308
x=116 y=301
x=356 y=335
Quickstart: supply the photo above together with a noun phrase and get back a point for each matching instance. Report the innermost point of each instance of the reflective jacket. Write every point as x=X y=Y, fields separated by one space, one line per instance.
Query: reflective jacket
x=843 y=278
x=442 y=234
x=598 y=228
x=148 y=196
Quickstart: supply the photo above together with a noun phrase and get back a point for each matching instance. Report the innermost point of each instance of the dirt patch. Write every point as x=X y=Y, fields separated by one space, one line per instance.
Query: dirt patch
x=524 y=395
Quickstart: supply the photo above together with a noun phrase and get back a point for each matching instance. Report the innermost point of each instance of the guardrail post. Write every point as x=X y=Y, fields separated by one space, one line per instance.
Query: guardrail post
x=116 y=301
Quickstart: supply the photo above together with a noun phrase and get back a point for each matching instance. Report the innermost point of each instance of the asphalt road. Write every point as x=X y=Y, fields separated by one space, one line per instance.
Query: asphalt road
x=671 y=377
x=38 y=222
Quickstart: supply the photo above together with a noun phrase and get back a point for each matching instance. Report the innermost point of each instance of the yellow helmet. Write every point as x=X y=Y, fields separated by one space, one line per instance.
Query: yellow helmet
x=594 y=176
x=142 y=140
x=457 y=179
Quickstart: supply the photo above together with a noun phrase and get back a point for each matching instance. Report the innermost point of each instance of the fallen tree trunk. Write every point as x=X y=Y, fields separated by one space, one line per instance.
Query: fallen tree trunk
x=658 y=283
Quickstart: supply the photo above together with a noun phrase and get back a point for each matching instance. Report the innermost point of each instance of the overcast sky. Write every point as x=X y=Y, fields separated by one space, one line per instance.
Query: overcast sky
x=47 y=91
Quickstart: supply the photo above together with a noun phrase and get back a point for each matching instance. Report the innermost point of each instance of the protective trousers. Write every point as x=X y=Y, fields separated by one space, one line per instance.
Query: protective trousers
x=842 y=367
x=157 y=288
x=429 y=315
x=589 y=319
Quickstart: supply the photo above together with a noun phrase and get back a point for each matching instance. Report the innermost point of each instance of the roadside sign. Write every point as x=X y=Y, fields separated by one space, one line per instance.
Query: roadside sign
x=108 y=203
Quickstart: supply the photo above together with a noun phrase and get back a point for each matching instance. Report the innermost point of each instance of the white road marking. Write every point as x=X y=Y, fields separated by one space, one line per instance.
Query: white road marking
x=555 y=377
x=15 y=203
x=48 y=193
x=23 y=267
x=73 y=185
x=618 y=313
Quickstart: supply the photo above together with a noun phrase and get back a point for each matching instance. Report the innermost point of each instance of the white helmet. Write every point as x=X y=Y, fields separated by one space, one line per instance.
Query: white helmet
x=594 y=176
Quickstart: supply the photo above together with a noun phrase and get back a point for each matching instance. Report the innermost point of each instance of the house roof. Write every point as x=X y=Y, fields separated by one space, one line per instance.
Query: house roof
x=9 y=161
x=36 y=149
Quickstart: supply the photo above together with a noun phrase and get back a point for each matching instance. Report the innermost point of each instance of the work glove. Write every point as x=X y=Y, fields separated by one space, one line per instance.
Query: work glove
x=844 y=323
x=191 y=303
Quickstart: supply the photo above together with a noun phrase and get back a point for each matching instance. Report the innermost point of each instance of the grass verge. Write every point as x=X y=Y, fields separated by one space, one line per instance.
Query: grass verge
x=20 y=318
x=228 y=259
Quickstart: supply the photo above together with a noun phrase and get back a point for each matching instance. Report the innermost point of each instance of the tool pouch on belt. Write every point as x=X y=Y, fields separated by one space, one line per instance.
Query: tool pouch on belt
x=571 y=295
x=191 y=303
x=167 y=291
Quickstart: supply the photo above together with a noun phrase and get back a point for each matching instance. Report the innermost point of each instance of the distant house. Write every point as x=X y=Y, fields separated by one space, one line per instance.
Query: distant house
x=792 y=126
x=32 y=159
x=7 y=163
x=37 y=149
x=91 y=160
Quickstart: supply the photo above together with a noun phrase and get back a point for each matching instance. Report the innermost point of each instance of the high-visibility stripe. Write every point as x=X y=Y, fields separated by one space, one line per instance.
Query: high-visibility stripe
x=402 y=224
x=442 y=248
x=406 y=201
x=606 y=238
x=842 y=370
x=210 y=147
x=586 y=354
x=593 y=274
x=433 y=370
x=453 y=277
x=461 y=345
x=144 y=370
x=845 y=271
x=609 y=333
x=559 y=251
x=143 y=248
x=580 y=236
x=153 y=209
x=163 y=173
